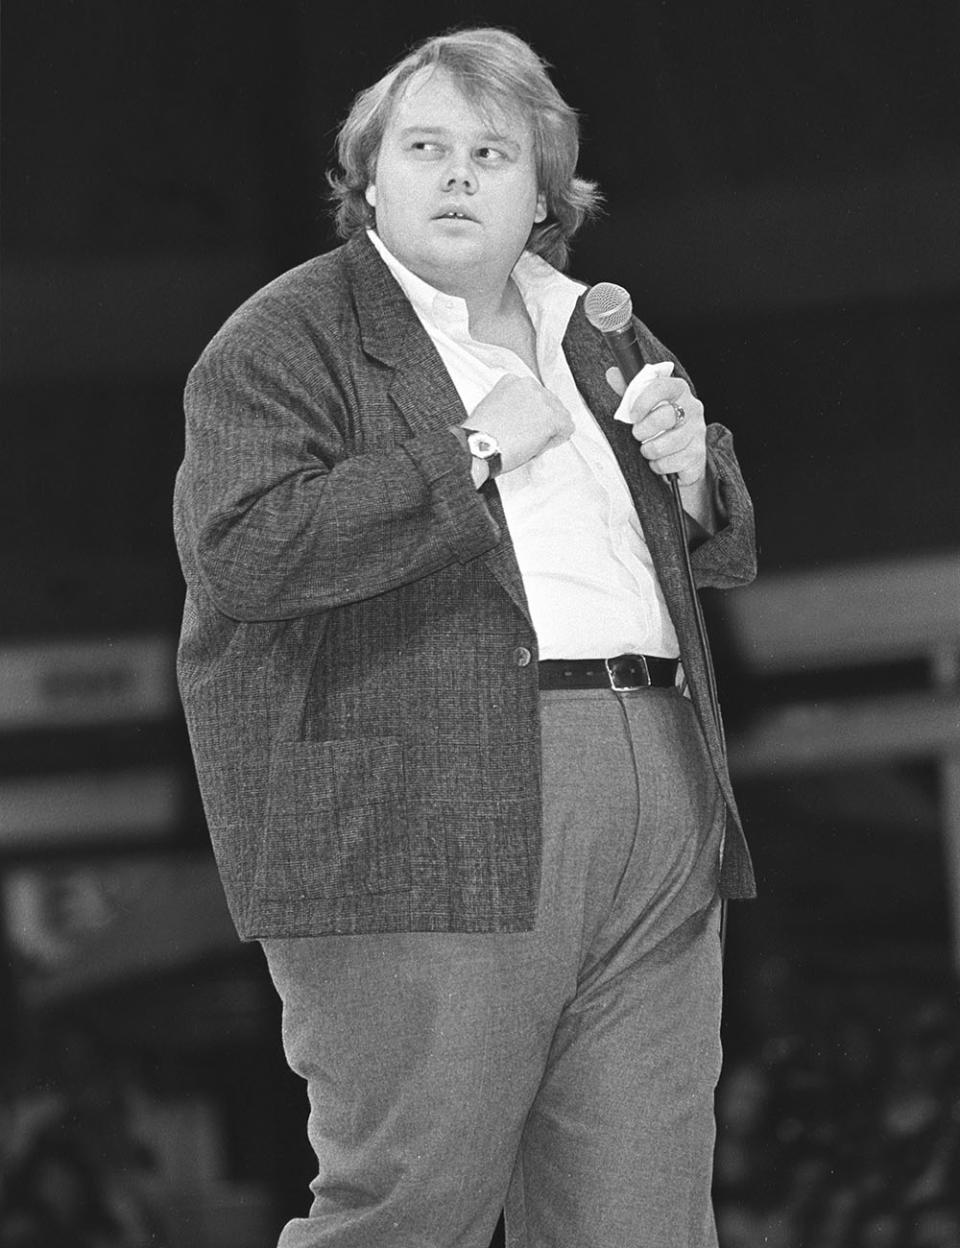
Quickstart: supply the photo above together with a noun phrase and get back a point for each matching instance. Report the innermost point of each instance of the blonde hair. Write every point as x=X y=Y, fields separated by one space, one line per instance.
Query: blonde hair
x=492 y=68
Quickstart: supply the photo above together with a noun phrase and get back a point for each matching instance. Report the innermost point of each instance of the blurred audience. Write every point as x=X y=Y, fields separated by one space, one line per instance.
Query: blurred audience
x=74 y=1172
x=849 y=1135
x=846 y=1135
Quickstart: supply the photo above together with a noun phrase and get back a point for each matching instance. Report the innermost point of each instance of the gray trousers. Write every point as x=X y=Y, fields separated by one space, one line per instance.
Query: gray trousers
x=568 y=1072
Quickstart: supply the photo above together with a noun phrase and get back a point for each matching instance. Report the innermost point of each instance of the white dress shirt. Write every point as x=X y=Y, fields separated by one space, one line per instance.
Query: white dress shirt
x=587 y=571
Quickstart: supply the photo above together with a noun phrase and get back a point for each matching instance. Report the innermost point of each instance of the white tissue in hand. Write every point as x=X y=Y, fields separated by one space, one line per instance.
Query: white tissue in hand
x=649 y=372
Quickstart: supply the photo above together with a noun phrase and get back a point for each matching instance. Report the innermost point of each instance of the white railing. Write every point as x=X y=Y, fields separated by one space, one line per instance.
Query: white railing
x=861 y=615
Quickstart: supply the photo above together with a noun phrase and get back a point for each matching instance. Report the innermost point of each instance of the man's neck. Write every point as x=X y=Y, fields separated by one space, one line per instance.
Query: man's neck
x=489 y=298
x=507 y=324
x=490 y=310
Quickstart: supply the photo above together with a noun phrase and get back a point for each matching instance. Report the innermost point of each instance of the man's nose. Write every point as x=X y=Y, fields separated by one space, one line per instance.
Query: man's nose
x=459 y=174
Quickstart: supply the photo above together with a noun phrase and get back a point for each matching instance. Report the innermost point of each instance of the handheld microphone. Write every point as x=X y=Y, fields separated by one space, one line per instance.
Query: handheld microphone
x=608 y=308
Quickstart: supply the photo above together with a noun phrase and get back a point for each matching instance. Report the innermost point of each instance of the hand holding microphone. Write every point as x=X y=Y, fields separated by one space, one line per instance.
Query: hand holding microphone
x=669 y=425
x=666 y=416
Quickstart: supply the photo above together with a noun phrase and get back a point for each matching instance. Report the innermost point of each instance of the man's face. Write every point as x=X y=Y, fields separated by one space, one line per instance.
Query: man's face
x=455 y=193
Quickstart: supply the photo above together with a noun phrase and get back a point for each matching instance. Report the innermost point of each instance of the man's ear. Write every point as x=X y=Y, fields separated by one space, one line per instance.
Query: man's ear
x=540 y=213
x=370 y=194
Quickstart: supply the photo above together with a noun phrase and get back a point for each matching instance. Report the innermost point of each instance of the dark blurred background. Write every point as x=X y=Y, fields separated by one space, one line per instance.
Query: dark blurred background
x=782 y=188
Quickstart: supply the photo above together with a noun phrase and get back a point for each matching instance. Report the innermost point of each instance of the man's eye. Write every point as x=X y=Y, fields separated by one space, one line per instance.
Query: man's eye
x=490 y=155
x=424 y=145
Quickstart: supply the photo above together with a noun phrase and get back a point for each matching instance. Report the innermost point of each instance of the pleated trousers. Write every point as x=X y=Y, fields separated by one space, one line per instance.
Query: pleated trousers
x=566 y=1073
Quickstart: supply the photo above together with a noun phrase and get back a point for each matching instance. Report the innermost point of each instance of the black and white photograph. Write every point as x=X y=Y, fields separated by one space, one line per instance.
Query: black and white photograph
x=480 y=630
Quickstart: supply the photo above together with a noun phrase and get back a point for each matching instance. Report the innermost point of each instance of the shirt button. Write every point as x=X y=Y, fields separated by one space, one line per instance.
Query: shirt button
x=522 y=656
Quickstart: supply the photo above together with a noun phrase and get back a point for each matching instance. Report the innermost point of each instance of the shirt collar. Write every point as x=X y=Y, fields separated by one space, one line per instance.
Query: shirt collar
x=549 y=295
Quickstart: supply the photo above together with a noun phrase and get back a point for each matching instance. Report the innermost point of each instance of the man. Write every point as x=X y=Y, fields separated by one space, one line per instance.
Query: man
x=482 y=850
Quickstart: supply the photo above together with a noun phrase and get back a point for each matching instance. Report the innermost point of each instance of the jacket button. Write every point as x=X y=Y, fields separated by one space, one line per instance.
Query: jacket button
x=522 y=656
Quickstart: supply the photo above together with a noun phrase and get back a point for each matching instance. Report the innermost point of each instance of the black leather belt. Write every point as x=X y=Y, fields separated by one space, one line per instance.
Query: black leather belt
x=623 y=673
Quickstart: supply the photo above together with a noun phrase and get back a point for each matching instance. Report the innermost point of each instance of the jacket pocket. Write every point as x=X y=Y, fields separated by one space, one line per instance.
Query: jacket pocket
x=335 y=820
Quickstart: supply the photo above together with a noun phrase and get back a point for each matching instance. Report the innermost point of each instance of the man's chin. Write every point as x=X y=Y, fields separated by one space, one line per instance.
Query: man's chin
x=454 y=253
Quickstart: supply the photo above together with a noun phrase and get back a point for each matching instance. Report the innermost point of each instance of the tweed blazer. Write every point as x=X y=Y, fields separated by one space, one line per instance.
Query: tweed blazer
x=357 y=663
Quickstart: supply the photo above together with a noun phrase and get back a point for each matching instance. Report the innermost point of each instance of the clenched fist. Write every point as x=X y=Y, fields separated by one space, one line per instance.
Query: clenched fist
x=524 y=418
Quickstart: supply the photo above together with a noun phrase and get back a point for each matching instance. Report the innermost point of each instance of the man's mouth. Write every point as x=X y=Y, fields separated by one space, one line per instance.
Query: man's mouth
x=454 y=214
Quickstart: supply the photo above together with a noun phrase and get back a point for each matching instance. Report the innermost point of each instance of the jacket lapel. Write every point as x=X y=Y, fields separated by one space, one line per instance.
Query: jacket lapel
x=421 y=387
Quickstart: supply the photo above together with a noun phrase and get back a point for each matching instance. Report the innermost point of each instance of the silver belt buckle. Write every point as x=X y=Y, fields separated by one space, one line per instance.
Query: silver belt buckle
x=617 y=688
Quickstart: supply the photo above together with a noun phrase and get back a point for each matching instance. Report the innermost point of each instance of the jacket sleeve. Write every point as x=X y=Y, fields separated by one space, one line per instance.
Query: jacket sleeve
x=277 y=513
x=728 y=557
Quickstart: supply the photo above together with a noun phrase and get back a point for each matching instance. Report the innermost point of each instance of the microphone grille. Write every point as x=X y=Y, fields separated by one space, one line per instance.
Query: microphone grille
x=607 y=307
